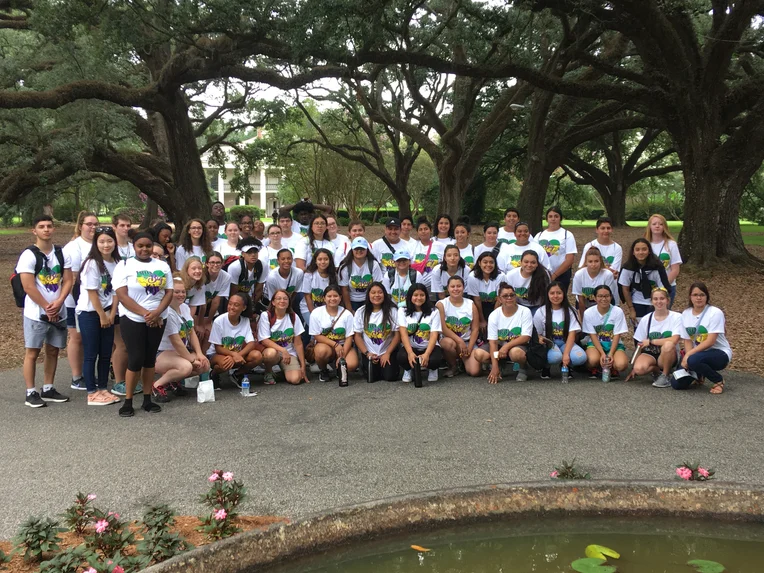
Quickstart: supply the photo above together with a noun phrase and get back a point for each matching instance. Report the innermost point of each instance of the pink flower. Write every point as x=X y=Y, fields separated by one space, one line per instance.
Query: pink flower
x=90 y=570
x=117 y=569
x=91 y=497
x=228 y=476
x=116 y=515
x=553 y=474
x=101 y=526
x=703 y=472
x=213 y=477
x=220 y=514
x=684 y=473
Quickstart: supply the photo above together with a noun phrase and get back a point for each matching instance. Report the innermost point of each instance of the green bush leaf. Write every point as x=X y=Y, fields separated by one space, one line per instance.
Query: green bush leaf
x=601 y=552
x=592 y=565
x=704 y=566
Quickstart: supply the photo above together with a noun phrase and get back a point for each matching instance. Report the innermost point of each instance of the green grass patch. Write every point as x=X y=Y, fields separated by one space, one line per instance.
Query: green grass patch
x=12 y=231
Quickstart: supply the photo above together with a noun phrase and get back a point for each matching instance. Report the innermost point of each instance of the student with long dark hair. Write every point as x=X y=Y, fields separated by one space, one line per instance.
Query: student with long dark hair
x=490 y=242
x=232 y=344
x=560 y=247
x=162 y=234
x=318 y=238
x=357 y=272
x=426 y=253
x=530 y=281
x=483 y=285
x=332 y=327
x=557 y=323
x=462 y=240
x=377 y=335
x=605 y=324
x=594 y=274
x=280 y=331
x=320 y=273
x=642 y=272
x=453 y=265
x=460 y=332
x=444 y=227
x=507 y=232
x=419 y=325
x=194 y=241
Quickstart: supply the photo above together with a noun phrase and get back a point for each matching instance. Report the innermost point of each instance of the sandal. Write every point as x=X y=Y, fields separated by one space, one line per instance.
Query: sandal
x=717 y=388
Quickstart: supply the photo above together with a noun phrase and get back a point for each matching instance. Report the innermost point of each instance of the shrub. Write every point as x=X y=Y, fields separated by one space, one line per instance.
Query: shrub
x=568 y=471
x=110 y=535
x=159 y=543
x=37 y=536
x=236 y=212
x=67 y=561
x=3 y=559
x=77 y=517
x=224 y=495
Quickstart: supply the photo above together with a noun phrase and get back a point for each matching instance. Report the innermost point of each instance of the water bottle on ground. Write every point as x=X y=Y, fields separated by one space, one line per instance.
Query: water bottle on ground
x=245 y=386
x=417 y=372
x=343 y=377
x=370 y=373
x=606 y=373
x=565 y=374
x=516 y=367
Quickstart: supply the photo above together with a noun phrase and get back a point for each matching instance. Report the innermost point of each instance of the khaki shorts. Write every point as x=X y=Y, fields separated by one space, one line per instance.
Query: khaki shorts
x=294 y=364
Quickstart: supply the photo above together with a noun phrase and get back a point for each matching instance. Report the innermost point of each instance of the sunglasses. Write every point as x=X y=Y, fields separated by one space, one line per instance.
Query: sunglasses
x=104 y=229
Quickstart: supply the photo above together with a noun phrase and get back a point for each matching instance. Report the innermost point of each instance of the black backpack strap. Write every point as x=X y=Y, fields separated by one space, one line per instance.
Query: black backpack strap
x=389 y=245
x=391 y=275
x=258 y=270
x=60 y=256
x=243 y=274
x=412 y=275
x=39 y=259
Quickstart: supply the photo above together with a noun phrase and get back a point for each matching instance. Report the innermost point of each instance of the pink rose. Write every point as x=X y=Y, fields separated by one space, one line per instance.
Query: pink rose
x=553 y=474
x=213 y=477
x=220 y=514
x=91 y=497
x=101 y=526
x=684 y=473
x=703 y=472
x=228 y=476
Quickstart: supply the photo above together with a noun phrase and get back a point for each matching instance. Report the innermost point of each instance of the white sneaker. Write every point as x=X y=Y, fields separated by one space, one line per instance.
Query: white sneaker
x=522 y=375
x=406 y=376
x=432 y=376
x=314 y=369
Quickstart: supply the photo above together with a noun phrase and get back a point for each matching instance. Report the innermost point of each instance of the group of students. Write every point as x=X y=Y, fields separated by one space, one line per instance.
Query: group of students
x=234 y=296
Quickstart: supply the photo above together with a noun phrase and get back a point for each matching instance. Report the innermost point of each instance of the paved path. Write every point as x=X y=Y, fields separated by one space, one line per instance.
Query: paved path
x=303 y=449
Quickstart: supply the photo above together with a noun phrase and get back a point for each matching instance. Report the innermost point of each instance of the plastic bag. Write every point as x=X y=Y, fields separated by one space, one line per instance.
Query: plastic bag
x=205 y=392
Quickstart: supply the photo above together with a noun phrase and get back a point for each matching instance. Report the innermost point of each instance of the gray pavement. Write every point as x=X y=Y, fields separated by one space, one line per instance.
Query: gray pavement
x=308 y=448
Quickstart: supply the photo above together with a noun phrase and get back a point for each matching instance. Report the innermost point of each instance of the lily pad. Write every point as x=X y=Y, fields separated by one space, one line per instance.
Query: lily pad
x=592 y=565
x=601 y=552
x=704 y=566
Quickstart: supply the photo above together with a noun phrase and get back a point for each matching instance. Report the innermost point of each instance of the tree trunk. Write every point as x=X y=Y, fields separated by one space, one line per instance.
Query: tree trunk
x=451 y=193
x=150 y=215
x=614 y=199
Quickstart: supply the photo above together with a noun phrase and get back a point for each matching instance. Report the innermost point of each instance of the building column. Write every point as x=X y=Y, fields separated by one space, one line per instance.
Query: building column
x=263 y=191
x=221 y=187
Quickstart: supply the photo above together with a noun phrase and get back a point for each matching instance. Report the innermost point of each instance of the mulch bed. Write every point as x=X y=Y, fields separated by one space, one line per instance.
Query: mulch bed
x=734 y=292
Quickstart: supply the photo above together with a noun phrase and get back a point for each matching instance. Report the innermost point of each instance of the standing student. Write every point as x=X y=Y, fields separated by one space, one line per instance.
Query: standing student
x=398 y=280
x=665 y=248
x=357 y=272
x=162 y=234
x=78 y=249
x=594 y=274
x=605 y=324
x=258 y=229
x=407 y=227
x=218 y=215
x=611 y=251
x=510 y=327
x=286 y=277
x=427 y=253
x=270 y=254
x=341 y=242
x=706 y=349
x=232 y=344
x=144 y=291
x=453 y=265
x=212 y=233
x=466 y=250
x=511 y=255
x=507 y=232
x=560 y=247
x=96 y=311
x=46 y=277
x=444 y=228
x=557 y=323
x=419 y=326
x=279 y=330
x=490 y=242
x=320 y=274
x=245 y=226
x=530 y=281
x=384 y=249
x=318 y=238
x=290 y=239
x=377 y=335
x=641 y=273
x=229 y=247
x=460 y=332
x=180 y=352
x=122 y=225
x=194 y=241
x=217 y=287
x=658 y=334
x=483 y=285
x=332 y=327
x=248 y=274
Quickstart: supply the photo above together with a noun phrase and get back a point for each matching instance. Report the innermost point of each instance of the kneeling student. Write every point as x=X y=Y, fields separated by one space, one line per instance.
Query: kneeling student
x=232 y=340
x=510 y=328
x=557 y=323
x=332 y=327
x=279 y=331
x=419 y=325
x=605 y=324
x=460 y=332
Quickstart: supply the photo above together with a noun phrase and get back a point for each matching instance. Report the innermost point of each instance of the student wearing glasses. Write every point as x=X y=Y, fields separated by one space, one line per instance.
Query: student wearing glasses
x=510 y=328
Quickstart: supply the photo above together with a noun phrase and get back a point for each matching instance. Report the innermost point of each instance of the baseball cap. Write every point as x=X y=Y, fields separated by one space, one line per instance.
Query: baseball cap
x=393 y=222
x=400 y=255
x=249 y=248
x=359 y=243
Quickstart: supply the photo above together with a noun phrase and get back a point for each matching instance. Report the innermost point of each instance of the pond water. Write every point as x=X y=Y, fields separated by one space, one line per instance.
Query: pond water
x=645 y=546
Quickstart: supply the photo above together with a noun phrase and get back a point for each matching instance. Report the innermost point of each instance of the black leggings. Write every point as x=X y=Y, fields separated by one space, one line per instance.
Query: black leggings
x=390 y=373
x=142 y=343
x=436 y=358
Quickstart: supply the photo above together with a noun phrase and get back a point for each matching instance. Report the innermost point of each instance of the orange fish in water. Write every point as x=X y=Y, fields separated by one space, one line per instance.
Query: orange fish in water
x=419 y=548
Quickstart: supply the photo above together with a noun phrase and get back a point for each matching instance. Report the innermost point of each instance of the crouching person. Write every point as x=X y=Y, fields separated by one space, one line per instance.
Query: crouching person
x=509 y=330
x=231 y=337
x=332 y=327
x=279 y=331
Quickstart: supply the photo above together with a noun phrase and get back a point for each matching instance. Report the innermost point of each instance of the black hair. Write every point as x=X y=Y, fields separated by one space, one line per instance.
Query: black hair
x=247 y=312
x=465 y=225
x=427 y=307
x=207 y=266
x=602 y=220
x=157 y=229
x=301 y=206
x=407 y=218
x=285 y=215
x=218 y=203
x=188 y=243
x=607 y=288
x=311 y=236
x=539 y=279
x=333 y=286
x=504 y=286
x=143 y=235
x=331 y=269
x=489 y=225
x=554 y=209
x=460 y=265
x=423 y=221
x=699 y=285
x=511 y=210
x=478 y=272
x=348 y=261
x=652 y=263
x=249 y=241
x=450 y=224
x=211 y=220
x=463 y=219
x=40 y=219
x=96 y=255
x=454 y=278
x=549 y=312
x=522 y=224
x=284 y=250
x=388 y=306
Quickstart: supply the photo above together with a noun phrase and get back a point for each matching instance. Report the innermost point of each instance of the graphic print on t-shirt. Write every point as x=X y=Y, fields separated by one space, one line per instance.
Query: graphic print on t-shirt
x=659 y=335
x=665 y=259
x=360 y=282
x=152 y=281
x=337 y=334
x=387 y=261
x=185 y=328
x=282 y=337
x=588 y=293
x=505 y=334
x=50 y=278
x=420 y=335
x=551 y=247
x=557 y=330
x=702 y=333
x=106 y=284
x=487 y=296
x=376 y=333
x=605 y=332
x=458 y=326
x=432 y=262
x=233 y=344
x=521 y=292
x=317 y=296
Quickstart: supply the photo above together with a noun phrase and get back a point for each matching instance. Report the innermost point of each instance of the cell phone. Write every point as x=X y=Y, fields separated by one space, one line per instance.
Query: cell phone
x=496 y=354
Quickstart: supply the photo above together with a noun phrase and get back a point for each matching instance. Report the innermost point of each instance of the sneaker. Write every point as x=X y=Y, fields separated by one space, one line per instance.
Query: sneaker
x=99 y=399
x=52 y=395
x=406 y=376
x=179 y=390
x=119 y=389
x=110 y=396
x=152 y=408
x=215 y=377
x=138 y=388
x=432 y=376
x=159 y=394
x=268 y=379
x=594 y=373
x=522 y=375
x=324 y=375
x=449 y=372
x=314 y=368
x=79 y=384
x=34 y=401
x=546 y=373
x=662 y=381
x=126 y=411
x=234 y=378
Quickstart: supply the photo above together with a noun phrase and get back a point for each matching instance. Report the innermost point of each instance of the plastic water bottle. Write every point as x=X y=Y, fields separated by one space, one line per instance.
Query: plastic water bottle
x=343 y=377
x=565 y=374
x=606 y=373
x=516 y=367
x=245 y=386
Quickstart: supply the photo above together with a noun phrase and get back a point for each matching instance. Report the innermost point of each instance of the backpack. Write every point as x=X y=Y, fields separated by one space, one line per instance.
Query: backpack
x=232 y=259
x=391 y=275
x=40 y=261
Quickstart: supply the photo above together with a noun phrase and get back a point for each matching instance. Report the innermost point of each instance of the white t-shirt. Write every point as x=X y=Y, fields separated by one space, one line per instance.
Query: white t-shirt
x=314 y=285
x=91 y=278
x=359 y=279
x=521 y=285
x=507 y=328
x=282 y=332
x=469 y=256
x=297 y=244
x=666 y=328
x=230 y=337
x=181 y=255
x=341 y=246
x=487 y=290
x=483 y=248
x=419 y=337
x=48 y=282
x=384 y=255
x=593 y=323
x=558 y=323
x=195 y=296
x=321 y=323
x=433 y=260
x=269 y=255
x=613 y=254
x=506 y=237
x=713 y=323
x=127 y=251
x=584 y=285
x=247 y=284
x=298 y=229
x=557 y=244
x=179 y=323
x=227 y=250
x=458 y=318
x=221 y=286
x=146 y=284
x=636 y=293
x=78 y=250
x=668 y=254
x=440 y=278
x=377 y=335
x=291 y=283
x=399 y=286
x=445 y=242
x=319 y=244
x=511 y=256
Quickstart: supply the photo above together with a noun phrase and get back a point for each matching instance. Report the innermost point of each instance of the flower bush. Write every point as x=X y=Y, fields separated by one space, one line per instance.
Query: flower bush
x=694 y=472
x=110 y=535
x=224 y=495
x=159 y=543
x=77 y=517
x=568 y=471
x=37 y=536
